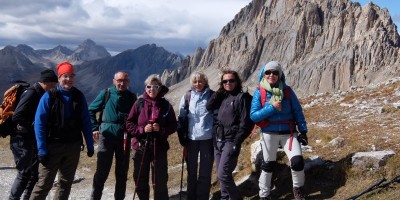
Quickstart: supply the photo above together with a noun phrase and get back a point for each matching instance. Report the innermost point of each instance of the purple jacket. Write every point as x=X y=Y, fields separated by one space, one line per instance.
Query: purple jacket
x=162 y=112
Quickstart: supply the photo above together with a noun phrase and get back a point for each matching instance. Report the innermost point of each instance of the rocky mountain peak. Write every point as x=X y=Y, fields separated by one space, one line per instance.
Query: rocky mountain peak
x=323 y=46
x=86 y=51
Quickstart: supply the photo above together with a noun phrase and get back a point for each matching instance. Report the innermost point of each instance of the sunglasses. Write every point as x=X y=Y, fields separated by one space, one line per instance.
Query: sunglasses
x=228 y=81
x=268 y=72
x=152 y=86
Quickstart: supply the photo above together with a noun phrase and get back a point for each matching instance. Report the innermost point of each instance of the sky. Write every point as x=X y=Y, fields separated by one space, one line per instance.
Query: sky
x=180 y=26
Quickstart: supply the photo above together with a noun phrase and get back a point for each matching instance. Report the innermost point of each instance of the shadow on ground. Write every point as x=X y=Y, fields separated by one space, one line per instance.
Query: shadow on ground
x=322 y=182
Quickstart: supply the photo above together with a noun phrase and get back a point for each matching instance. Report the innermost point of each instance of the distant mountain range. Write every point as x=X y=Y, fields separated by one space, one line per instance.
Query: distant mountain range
x=94 y=65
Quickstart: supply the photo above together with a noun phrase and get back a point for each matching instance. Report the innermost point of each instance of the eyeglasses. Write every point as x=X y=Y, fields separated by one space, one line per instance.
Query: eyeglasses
x=121 y=80
x=268 y=72
x=152 y=86
x=228 y=81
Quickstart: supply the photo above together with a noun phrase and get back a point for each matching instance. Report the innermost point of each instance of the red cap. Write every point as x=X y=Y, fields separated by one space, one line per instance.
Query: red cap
x=65 y=68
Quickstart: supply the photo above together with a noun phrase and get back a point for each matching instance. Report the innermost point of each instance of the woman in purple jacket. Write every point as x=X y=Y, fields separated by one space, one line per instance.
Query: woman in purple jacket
x=150 y=121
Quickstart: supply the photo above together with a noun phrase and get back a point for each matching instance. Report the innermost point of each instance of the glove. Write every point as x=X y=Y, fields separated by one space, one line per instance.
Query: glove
x=43 y=159
x=303 y=139
x=90 y=153
x=235 y=150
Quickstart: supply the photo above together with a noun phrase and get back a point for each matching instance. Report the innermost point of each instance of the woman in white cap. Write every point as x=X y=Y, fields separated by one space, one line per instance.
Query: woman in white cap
x=277 y=110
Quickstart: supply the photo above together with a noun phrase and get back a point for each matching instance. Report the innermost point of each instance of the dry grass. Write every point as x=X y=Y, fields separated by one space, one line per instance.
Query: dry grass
x=365 y=119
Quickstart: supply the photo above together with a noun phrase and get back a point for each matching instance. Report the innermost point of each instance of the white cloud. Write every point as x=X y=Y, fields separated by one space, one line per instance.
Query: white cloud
x=177 y=25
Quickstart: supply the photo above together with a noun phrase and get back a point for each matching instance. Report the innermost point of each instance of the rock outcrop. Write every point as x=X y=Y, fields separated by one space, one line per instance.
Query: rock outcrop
x=323 y=45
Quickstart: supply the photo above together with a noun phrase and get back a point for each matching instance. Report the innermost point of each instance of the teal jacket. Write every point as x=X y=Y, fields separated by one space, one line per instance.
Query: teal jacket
x=116 y=111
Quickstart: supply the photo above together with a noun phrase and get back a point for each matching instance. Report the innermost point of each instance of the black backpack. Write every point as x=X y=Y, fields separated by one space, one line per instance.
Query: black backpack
x=10 y=101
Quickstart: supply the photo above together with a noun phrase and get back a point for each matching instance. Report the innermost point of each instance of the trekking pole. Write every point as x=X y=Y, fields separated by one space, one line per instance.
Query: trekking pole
x=154 y=165
x=373 y=187
x=141 y=165
x=394 y=180
x=183 y=160
x=125 y=138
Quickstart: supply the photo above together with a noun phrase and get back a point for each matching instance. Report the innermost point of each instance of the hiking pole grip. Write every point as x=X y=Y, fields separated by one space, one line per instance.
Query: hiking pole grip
x=125 y=138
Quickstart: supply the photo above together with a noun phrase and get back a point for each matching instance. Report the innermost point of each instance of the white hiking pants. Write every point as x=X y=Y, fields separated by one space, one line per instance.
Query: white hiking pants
x=269 y=145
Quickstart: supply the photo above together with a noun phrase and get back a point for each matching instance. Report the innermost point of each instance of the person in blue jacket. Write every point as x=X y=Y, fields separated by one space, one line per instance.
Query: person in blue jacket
x=200 y=141
x=280 y=117
x=61 y=118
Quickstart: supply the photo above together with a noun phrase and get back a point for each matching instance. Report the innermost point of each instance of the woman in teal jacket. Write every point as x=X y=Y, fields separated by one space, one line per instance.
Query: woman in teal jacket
x=278 y=116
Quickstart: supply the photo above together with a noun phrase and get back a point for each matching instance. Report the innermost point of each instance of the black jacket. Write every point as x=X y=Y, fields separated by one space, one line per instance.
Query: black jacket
x=235 y=122
x=24 y=114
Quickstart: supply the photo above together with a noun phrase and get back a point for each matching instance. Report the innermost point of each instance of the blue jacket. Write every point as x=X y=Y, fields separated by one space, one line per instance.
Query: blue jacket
x=42 y=118
x=200 y=119
x=291 y=110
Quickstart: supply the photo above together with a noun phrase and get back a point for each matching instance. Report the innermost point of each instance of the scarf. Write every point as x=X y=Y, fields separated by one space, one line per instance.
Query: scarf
x=277 y=92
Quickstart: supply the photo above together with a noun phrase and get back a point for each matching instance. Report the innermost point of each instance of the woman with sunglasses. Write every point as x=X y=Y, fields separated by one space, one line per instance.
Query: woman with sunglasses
x=231 y=127
x=150 y=121
x=276 y=109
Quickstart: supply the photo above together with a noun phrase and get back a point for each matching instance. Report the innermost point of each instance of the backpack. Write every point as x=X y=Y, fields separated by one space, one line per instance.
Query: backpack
x=10 y=101
x=183 y=122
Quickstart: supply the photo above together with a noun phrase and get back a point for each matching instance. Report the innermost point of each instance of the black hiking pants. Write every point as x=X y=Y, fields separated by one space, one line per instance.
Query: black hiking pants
x=26 y=161
x=108 y=146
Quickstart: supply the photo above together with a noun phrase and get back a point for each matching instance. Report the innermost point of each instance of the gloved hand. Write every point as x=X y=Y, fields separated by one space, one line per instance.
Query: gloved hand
x=90 y=153
x=302 y=138
x=43 y=159
x=236 y=150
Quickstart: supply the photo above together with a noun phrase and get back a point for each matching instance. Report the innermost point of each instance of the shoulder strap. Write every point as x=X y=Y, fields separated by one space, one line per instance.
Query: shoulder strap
x=187 y=100
x=287 y=93
x=106 y=97
x=139 y=105
x=263 y=96
x=237 y=103
x=104 y=102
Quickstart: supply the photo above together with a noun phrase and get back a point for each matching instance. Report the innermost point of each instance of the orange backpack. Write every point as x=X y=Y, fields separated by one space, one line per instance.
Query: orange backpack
x=10 y=101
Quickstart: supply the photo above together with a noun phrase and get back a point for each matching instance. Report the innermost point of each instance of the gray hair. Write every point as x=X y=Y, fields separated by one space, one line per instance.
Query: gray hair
x=153 y=77
x=198 y=75
x=123 y=72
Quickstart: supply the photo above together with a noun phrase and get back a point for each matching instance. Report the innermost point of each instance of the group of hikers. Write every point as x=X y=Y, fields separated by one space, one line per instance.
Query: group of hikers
x=53 y=120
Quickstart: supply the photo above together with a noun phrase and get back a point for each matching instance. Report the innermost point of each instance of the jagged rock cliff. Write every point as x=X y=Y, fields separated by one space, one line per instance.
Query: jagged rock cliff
x=322 y=45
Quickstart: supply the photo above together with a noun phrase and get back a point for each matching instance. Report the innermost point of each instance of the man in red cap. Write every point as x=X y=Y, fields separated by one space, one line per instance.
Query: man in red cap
x=61 y=118
x=23 y=144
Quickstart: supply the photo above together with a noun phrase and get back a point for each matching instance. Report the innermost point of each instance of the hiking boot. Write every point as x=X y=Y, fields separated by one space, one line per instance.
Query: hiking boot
x=298 y=193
